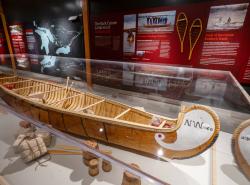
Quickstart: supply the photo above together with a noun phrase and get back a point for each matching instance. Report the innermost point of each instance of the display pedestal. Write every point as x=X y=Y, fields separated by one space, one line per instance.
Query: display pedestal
x=69 y=170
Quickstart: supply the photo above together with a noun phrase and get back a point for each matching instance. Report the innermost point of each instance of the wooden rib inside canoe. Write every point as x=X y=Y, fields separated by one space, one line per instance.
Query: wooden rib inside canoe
x=181 y=26
x=88 y=115
x=194 y=35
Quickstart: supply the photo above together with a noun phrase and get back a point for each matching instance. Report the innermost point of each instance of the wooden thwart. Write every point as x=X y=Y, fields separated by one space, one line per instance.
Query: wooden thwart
x=120 y=115
x=162 y=124
x=89 y=106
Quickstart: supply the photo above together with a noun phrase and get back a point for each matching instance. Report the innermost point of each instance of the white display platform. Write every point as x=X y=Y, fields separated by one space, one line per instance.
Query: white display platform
x=69 y=170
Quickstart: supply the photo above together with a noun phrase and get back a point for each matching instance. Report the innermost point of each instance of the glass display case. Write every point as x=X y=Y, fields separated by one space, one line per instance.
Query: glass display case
x=124 y=92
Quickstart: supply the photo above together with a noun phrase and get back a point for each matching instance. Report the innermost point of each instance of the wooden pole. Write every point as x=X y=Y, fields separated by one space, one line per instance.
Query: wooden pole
x=3 y=181
x=85 y=12
x=214 y=165
x=7 y=36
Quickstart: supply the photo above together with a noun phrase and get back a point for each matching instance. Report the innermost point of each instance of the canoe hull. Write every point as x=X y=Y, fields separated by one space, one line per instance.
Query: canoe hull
x=128 y=138
x=94 y=117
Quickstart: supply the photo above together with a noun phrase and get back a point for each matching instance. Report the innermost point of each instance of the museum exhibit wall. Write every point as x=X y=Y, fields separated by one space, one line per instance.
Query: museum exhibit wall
x=215 y=34
x=49 y=28
x=199 y=34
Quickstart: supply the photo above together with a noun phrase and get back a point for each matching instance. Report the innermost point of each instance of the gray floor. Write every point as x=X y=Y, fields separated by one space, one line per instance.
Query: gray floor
x=69 y=170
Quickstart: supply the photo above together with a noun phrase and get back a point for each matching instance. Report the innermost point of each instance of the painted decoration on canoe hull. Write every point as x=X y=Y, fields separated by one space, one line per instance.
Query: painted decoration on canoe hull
x=202 y=123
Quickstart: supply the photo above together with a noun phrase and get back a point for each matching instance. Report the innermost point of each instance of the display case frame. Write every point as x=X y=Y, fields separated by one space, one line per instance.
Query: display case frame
x=158 y=103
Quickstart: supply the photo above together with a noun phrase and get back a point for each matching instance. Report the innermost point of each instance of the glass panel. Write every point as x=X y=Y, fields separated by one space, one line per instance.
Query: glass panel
x=123 y=93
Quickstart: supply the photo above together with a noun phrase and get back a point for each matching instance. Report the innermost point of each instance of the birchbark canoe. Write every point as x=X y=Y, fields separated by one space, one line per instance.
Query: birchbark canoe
x=87 y=115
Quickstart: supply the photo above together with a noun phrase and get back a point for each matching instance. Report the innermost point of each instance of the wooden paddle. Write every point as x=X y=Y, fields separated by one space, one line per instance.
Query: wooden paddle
x=63 y=152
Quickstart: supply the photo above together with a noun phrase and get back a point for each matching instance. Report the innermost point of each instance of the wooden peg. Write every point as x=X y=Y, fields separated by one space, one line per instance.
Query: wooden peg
x=93 y=167
x=67 y=83
x=88 y=156
x=24 y=124
x=92 y=144
x=106 y=165
x=130 y=179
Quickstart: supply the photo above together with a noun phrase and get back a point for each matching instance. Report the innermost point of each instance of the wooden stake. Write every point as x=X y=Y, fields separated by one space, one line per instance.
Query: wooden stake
x=87 y=156
x=7 y=36
x=93 y=167
x=67 y=83
x=85 y=12
x=106 y=165
x=3 y=181
x=130 y=179
x=24 y=124
x=214 y=166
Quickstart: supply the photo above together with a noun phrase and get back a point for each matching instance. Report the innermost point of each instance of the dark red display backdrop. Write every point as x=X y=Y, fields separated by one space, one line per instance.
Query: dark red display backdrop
x=243 y=64
x=223 y=43
x=3 y=48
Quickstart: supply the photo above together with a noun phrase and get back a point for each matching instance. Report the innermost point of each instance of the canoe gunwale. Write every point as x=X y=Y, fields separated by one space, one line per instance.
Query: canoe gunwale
x=89 y=106
x=7 y=77
x=17 y=82
x=96 y=117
